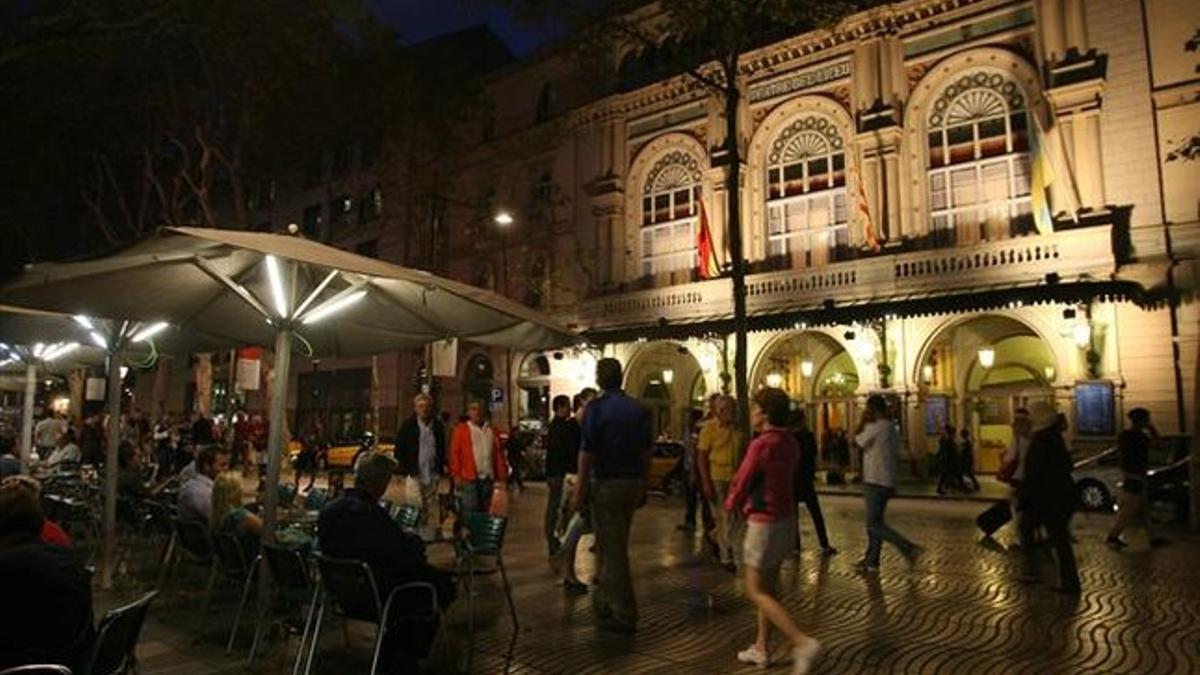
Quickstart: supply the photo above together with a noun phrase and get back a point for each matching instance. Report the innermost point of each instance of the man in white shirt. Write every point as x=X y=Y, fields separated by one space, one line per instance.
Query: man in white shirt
x=195 y=497
x=879 y=441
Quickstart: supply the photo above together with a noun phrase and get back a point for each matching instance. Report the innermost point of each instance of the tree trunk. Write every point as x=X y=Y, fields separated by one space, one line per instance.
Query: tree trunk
x=734 y=223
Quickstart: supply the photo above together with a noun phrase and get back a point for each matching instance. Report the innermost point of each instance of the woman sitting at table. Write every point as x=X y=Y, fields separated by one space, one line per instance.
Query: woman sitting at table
x=67 y=455
x=230 y=516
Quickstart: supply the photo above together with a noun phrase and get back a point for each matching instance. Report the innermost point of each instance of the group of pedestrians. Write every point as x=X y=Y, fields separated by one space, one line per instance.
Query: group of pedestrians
x=956 y=461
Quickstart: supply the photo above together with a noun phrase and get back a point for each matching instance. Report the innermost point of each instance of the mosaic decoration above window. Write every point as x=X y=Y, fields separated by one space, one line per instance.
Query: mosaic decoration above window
x=975 y=96
x=673 y=170
x=804 y=138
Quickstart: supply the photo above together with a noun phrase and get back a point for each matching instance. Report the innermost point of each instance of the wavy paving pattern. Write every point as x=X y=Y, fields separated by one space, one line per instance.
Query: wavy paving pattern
x=960 y=610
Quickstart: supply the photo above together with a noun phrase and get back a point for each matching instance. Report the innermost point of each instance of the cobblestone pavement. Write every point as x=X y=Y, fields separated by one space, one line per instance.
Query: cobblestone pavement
x=959 y=611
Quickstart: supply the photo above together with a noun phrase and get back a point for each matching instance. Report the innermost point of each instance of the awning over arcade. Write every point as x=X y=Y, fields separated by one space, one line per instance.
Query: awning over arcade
x=895 y=307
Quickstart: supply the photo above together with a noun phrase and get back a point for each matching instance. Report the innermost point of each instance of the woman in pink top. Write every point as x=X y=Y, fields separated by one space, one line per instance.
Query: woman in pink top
x=763 y=488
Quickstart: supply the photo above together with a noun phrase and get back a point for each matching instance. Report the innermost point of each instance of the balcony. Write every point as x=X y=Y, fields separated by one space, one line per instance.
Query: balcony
x=1085 y=252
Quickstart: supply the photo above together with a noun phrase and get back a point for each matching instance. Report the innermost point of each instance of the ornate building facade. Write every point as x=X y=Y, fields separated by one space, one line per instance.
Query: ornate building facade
x=965 y=205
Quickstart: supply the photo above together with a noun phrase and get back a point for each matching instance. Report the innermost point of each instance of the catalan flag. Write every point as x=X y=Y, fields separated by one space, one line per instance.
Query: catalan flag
x=1041 y=175
x=706 y=251
x=864 y=210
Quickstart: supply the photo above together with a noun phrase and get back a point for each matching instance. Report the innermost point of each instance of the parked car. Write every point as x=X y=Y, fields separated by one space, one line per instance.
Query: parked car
x=1098 y=477
x=666 y=467
x=343 y=453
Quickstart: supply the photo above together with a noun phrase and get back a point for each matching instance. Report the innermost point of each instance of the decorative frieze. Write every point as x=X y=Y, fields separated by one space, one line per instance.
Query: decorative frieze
x=799 y=82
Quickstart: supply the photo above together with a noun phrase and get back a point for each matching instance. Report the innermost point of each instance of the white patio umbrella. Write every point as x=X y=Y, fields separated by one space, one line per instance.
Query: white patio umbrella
x=234 y=287
x=35 y=340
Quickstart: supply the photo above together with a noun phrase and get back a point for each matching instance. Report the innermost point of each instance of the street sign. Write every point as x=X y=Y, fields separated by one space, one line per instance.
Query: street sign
x=497 y=397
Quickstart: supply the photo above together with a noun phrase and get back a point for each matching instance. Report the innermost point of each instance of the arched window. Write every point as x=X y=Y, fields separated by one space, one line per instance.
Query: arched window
x=806 y=192
x=670 y=212
x=979 y=160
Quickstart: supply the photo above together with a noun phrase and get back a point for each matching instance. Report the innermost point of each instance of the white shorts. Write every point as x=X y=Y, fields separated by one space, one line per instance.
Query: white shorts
x=767 y=545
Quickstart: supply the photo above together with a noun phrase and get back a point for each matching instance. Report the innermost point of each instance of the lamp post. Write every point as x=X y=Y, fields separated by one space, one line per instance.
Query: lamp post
x=504 y=221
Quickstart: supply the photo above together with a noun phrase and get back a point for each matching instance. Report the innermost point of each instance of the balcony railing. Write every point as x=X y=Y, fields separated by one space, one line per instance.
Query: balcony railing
x=989 y=265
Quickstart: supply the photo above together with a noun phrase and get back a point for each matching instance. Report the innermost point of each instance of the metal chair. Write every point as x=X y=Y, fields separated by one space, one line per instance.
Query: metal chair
x=408 y=517
x=189 y=543
x=233 y=567
x=37 y=669
x=293 y=586
x=485 y=536
x=117 y=637
x=351 y=585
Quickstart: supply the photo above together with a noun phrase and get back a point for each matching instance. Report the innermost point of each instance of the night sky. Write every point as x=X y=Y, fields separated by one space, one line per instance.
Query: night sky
x=418 y=20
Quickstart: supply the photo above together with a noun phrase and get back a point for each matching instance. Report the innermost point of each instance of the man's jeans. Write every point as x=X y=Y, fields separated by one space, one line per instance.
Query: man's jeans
x=876 y=497
x=614 y=502
x=553 y=512
x=476 y=495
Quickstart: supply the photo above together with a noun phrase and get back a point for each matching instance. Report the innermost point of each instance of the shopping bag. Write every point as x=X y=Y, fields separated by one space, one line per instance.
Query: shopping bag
x=994 y=518
x=499 y=502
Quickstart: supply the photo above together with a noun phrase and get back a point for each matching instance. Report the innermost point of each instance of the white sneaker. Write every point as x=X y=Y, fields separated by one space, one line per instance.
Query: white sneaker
x=754 y=655
x=804 y=655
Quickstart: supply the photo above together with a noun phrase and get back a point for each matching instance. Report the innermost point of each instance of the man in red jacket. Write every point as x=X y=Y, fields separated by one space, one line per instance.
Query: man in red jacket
x=476 y=460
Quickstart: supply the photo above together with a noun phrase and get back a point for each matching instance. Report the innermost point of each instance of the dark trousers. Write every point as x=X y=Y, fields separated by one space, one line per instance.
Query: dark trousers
x=1058 y=536
x=808 y=497
x=691 y=498
x=477 y=495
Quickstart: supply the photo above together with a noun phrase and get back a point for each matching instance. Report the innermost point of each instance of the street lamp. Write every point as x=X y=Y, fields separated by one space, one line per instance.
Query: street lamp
x=806 y=368
x=1082 y=332
x=503 y=218
x=668 y=376
x=774 y=380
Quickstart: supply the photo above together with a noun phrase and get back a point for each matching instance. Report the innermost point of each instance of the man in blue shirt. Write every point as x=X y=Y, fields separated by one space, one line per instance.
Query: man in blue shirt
x=421 y=453
x=613 y=466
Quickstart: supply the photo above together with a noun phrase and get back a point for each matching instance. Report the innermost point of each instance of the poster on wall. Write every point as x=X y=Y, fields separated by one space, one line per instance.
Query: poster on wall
x=249 y=374
x=1094 y=411
x=445 y=357
x=95 y=389
x=937 y=414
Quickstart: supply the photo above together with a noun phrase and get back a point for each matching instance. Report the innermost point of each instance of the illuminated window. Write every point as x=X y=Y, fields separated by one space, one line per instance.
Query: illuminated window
x=979 y=160
x=806 y=192
x=670 y=214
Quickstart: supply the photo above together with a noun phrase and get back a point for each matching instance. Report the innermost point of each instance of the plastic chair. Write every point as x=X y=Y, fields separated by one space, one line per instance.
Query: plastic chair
x=315 y=500
x=233 y=567
x=351 y=585
x=408 y=517
x=117 y=637
x=37 y=669
x=293 y=585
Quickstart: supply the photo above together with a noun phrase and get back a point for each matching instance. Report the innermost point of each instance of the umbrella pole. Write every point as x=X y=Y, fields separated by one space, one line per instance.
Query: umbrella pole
x=27 y=417
x=111 y=468
x=279 y=387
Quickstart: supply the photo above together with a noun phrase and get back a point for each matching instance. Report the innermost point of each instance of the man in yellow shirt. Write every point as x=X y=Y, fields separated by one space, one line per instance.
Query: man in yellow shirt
x=716 y=456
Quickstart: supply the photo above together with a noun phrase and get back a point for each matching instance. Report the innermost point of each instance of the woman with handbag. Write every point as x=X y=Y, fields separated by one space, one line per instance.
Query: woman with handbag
x=764 y=491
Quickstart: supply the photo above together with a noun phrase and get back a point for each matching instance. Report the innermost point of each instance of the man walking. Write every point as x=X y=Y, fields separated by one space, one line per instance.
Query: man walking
x=476 y=460
x=421 y=453
x=1047 y=496
x=1134 y=447
x=562 y=456
x=806 y=479
x=615 y=458
x=715 y=456
x=879 y=441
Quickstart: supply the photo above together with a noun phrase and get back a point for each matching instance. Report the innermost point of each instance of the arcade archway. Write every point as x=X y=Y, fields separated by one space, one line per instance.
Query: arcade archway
x=668 y=380
x=975 y=373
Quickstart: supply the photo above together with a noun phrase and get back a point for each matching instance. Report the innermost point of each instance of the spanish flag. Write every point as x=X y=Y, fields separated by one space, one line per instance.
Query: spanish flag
x=1041 y=175
x=706 y=252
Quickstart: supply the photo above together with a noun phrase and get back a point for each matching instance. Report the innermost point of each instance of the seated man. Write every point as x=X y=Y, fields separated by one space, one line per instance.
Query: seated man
x=355 y=526
x=195 y=496
x=48 y=583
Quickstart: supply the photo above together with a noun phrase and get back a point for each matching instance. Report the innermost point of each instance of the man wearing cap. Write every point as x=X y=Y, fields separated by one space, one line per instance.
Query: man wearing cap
x=1133 y=445
x=1047 y=496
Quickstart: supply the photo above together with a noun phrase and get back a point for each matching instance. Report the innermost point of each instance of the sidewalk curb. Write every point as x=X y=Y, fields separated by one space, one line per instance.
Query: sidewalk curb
x=933 y=498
